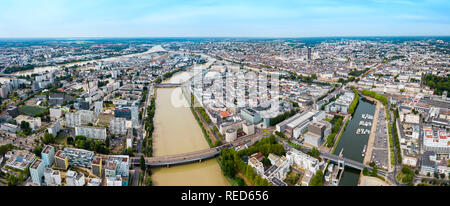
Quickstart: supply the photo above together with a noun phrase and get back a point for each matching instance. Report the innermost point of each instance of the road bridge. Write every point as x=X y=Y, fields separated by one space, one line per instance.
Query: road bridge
x=168 y=85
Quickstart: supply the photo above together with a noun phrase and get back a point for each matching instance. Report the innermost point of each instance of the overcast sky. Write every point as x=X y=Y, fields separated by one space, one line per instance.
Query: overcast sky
x=227 y=18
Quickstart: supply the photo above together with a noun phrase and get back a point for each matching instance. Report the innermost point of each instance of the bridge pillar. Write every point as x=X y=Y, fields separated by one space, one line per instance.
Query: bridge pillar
x=341 y=164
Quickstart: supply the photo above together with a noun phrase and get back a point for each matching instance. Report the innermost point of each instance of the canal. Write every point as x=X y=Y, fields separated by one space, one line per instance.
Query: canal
x=352 y=143
x=177 y=131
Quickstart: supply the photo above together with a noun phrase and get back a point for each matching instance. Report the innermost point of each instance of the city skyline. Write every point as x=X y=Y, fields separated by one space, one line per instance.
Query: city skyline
x=259 y=19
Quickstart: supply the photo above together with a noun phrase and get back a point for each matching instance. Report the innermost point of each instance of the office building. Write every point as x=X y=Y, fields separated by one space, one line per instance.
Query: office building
x=297 y=124
x=251 y=116
x=317 y=132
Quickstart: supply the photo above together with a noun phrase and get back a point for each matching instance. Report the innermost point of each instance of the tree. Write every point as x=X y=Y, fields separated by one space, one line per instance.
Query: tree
x=374 y=171
x=317 y=180
x=48 y=138
x=142 y=163
x=70 y=140
x=148 y=181
x=37 y=150
x=314 y=152
x=25 y=127
x=228 y=168
x=442 y=176
x=107 y=142
x=365 y=171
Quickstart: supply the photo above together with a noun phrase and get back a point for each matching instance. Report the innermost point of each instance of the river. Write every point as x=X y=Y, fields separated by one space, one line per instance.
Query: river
x=177 y=131
x=353 y=143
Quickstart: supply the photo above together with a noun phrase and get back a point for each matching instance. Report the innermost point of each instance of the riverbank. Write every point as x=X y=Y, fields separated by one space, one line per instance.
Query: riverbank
x=373 y=130
x=371 y=181
x=177 y=131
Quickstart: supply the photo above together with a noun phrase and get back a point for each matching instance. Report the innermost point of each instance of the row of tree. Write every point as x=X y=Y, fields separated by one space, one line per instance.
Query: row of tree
x=337 y=123
x=282 y=117
x=352 y=107
x=149 y=127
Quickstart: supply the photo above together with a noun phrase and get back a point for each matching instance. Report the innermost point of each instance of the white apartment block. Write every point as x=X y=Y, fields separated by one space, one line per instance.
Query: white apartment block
x=81 y=117
x=118 y=126
x=97 y=133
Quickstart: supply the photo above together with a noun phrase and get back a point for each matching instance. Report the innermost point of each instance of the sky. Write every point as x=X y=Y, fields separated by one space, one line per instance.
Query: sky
x=226 y=18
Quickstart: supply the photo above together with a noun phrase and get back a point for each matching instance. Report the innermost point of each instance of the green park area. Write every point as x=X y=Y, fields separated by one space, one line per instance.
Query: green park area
x=33 y=111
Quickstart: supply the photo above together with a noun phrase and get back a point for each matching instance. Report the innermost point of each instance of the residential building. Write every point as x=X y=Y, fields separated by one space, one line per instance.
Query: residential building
x=94 y=182
x=98 y=107
x=113 y=180
x=52 y=177
x=48 y=155
x=61 y=160
x=19 y=159
x=257 y=165
x=74 y=178
x=54 y=128
x=81 y=117
x=134 y=116
x=97 y=133
x=79 y=157
x=123 y=113
x=118 y=126
x=37 y=171
x=55 y=113
x=97 y=166
x=35 y=122
x=7 y=127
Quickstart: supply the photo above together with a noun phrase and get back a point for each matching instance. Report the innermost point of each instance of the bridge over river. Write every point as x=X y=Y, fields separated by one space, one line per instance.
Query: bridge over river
x=168 y=85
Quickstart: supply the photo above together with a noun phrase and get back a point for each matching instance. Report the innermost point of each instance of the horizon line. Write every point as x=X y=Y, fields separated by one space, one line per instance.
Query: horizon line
x=200 y=37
